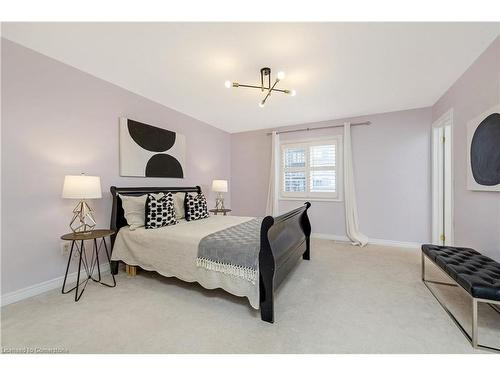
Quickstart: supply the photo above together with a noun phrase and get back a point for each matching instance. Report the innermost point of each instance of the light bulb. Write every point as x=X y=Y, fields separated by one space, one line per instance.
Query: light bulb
x=261 y=104
x=293 y=93
x=281 y=75
x=227 y=84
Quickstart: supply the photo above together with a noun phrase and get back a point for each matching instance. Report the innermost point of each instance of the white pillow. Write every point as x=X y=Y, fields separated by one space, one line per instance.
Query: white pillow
x=134 y=208
x=180 y=212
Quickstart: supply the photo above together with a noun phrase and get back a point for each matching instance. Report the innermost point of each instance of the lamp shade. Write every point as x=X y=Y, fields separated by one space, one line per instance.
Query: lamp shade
x=219 y=186
x=82 y=187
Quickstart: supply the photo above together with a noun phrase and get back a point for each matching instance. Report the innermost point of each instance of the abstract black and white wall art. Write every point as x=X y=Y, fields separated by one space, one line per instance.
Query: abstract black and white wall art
x=149 y=151
x=483 y=151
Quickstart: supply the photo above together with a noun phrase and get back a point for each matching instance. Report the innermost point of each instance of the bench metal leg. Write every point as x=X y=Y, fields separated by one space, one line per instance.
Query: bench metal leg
x=473 y=338
x=495 y=307
x=433 y=281
x=423 y=266
x=474 y=323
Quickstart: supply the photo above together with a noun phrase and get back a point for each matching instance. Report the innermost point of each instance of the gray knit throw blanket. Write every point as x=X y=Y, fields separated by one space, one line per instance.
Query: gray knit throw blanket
x=233 y=251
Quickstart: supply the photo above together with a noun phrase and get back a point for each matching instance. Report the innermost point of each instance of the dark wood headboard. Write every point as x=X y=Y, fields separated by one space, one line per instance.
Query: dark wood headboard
x=117 y=214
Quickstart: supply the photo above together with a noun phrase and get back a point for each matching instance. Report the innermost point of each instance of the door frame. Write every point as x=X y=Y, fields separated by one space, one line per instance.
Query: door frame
x=442 y=180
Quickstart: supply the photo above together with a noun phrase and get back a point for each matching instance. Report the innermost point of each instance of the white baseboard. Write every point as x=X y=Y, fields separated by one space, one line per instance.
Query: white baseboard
x=373 y=241
x=405 y=244
x=43 y=287
x=333 y=237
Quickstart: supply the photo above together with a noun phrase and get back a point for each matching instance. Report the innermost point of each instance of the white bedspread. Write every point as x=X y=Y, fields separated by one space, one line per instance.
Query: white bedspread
x=171 y=251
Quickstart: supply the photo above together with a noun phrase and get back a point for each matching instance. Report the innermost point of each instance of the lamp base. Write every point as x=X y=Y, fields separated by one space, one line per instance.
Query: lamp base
x=219 y=202
x=83 y=221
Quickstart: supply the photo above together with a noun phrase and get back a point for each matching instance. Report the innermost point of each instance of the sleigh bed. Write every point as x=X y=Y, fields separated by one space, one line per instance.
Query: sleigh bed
x=171 y=251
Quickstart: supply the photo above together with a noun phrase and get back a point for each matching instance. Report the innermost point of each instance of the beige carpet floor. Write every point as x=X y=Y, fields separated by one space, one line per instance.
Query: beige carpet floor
x=345 y=300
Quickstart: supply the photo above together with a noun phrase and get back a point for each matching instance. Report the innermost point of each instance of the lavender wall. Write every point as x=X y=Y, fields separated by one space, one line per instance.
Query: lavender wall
x=477 y=214
x=57 y=120
x=392 y=171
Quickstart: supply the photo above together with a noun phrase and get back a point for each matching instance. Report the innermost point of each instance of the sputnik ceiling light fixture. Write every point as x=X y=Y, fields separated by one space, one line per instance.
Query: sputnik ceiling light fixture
x=265 y=75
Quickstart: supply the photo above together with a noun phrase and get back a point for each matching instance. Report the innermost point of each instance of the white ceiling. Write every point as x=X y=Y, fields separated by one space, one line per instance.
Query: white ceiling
x=338 y=69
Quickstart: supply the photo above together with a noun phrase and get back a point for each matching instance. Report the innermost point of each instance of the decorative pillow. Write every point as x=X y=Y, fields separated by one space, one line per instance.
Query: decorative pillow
x=160 y=212
x=179 y=205
x=133 y=208
x=196 y=207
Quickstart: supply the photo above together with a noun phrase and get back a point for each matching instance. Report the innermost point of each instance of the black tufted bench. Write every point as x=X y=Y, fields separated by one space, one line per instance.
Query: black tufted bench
x=477 y=274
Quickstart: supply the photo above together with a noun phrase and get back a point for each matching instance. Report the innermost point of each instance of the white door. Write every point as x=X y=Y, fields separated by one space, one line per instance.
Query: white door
x=442 y=180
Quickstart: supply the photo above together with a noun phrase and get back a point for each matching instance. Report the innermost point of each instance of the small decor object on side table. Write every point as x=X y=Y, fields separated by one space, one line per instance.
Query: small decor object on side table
x=217 y=211
x=78 y=244
x=219 y=186
x=82 y=187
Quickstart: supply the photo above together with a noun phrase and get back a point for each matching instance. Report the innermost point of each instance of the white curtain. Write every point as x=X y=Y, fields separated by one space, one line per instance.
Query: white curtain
x=274 y=173
x=351 y=211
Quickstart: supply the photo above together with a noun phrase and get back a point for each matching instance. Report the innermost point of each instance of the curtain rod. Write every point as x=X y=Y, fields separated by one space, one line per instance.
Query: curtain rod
x=321 y=127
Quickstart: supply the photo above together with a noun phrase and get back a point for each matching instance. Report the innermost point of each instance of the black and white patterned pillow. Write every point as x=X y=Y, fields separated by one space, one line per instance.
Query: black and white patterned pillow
x=196 y=207
x=160 y=211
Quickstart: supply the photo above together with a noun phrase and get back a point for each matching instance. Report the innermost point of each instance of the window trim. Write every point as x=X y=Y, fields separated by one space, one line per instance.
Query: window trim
x=315 y=196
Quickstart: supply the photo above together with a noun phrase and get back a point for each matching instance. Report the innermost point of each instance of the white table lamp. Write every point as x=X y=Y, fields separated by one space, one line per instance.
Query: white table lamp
x=219 y=186
x=82 y=187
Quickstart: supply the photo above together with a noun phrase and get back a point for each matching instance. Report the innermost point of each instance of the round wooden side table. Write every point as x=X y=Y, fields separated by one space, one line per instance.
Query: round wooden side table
x=217 y=211
x=78 y=244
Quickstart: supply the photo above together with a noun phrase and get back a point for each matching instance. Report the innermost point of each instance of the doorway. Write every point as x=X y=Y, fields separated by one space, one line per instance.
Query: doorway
x=442 y=180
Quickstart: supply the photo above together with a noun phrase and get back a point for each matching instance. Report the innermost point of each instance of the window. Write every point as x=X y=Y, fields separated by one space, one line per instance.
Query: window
x=309 y=169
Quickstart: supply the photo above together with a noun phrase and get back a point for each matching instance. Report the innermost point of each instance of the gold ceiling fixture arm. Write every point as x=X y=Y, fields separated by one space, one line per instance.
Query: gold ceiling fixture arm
x=269 y=93
x=264 y=73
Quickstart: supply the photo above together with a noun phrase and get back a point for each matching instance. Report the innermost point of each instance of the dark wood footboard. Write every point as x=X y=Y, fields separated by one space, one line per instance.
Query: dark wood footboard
x=283 y=240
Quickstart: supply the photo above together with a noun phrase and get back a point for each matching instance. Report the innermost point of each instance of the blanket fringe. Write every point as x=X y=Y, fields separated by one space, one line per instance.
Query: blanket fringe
x=230 y=269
